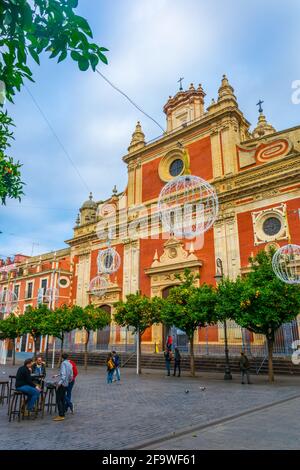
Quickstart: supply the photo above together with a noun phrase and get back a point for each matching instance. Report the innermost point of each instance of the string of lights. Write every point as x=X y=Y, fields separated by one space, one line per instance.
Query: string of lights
x=66 y=153
x=129 y=99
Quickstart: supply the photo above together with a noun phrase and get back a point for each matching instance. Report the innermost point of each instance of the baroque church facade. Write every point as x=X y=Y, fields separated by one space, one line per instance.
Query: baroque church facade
x=256 y=175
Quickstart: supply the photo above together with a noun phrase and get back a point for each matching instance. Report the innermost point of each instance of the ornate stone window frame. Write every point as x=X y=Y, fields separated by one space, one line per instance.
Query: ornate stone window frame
x=165 y=163
x=258 y=219
x=66 y=285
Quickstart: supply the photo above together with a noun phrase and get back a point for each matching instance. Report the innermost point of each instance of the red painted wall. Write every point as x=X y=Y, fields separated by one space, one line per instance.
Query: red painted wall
x=246 y=235
x=200 y=163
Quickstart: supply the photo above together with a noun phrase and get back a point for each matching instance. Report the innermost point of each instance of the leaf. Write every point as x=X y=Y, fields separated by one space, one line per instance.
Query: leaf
x=76 y=56
x=34 y=55
x=94 y=61
x=83 y=24
x=73 y=3
x=7 y=18
x=83 y=64
x=102 y=58
x=62 y=56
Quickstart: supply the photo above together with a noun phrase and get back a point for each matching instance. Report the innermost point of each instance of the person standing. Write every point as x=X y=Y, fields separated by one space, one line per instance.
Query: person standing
x=177 y=359
x=68 y=400
x=116 y=359
x=65 y=377
x=244 y=367
x=168 y=359
x=110 y=368
x=169 y=343
x=25 y=384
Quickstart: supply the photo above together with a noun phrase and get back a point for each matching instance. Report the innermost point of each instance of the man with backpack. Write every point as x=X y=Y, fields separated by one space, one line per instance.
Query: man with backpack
x=116 y=359
x=244 y=367
x=68 y=400
x=65 y=378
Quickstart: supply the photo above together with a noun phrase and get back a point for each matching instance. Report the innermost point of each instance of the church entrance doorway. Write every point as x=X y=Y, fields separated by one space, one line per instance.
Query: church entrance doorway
x=103 y=336
x=179 y=338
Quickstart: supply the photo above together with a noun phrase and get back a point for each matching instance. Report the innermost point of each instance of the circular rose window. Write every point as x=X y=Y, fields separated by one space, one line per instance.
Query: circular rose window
x=176 y=167
x=271 y=226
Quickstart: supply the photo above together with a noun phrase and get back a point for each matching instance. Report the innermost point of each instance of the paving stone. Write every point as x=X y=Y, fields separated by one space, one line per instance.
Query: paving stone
x=138 y=409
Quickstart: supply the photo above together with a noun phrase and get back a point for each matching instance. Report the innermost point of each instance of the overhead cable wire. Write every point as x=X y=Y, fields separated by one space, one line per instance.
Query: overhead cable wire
x=129 y=99
x=57 y=138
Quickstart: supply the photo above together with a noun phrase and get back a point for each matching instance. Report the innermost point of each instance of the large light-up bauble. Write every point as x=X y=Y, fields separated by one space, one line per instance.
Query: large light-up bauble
x=188 y=206
x=108 y=261
x=51 y=294
x=98 y=286
x=286 y=264
x=8 y=301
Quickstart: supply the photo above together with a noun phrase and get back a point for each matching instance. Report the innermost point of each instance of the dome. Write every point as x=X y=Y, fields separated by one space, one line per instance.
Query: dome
x=90 y=204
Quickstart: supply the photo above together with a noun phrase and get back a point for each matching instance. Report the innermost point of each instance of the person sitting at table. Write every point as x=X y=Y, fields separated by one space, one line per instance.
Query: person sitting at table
x=25 y=384
x=39 y=367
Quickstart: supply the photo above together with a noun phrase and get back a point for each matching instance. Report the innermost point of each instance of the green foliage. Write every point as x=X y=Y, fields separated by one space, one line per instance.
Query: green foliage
x=138 y=311
x=62 y=320
x=265 y=301
x=92 y=318
x=10 y=176
x=27 y=29
x=188 y=307
x=229 y=294
x=10 y=327
x=34 y=321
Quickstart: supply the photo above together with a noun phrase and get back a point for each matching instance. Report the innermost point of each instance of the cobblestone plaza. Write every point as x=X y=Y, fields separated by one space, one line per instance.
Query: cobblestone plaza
x=144 y=411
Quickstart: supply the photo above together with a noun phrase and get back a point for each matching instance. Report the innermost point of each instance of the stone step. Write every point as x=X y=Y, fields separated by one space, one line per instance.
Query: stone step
x=204 y=363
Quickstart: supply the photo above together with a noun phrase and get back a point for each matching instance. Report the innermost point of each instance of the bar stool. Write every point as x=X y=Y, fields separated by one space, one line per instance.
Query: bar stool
x=49 y=399
x=17 y=405
x=11 y=389
x=4 y=391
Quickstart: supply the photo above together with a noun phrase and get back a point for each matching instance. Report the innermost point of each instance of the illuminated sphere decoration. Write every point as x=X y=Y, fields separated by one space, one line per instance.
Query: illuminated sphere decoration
x=108 y=261
x=286 y=264
x=8 y=301
x=51 y=294
x=188 y=206
x=98 y=286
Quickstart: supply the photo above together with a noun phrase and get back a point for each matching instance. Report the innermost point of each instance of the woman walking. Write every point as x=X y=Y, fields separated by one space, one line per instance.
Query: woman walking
x=110 y=368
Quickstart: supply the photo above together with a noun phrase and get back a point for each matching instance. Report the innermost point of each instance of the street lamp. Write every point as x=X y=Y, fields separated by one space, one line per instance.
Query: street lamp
x=218 y=277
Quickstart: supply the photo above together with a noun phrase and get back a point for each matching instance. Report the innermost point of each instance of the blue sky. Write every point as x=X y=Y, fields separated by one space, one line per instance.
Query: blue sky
x=151 y=44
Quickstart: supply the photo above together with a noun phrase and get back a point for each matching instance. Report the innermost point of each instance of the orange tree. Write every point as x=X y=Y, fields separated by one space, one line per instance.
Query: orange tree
x=27 y=29
x=90 y=318
x=139 y=312
x=60 y=321
x=33 y=321
x=265 y=302
x=10 y=328
x=189 y=307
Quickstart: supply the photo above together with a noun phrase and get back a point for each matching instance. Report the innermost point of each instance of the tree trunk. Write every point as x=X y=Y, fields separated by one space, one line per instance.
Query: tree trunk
x=86 y=349
x=14 y=351
x=192 y=358
x=34 y=342
x=47 y=351
x=270 y=358
x=138 y=356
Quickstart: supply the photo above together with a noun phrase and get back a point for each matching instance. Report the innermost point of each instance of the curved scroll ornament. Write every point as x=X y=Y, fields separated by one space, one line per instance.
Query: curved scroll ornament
x=273 y=149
